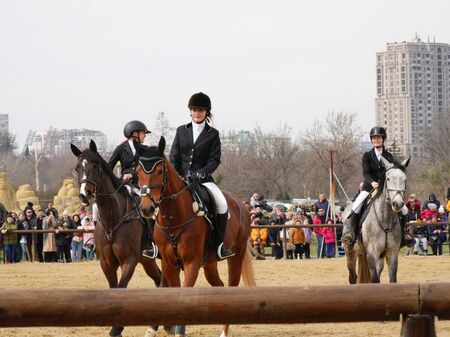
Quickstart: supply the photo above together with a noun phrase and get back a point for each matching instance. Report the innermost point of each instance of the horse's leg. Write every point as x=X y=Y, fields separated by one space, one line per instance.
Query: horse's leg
x=152 y=270
x=191 y=271
x=351 y=265
x=110 y=272
x=376 y=266
x=392 y=262
x=212 y=274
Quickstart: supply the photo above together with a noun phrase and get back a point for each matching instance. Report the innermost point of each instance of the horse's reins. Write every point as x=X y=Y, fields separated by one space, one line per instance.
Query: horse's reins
x=109 y=234
x=146 y=191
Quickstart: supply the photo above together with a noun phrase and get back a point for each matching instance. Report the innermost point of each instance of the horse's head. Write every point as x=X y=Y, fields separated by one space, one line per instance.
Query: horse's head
x=152 y=173
x=88 y=170
x=395 y=182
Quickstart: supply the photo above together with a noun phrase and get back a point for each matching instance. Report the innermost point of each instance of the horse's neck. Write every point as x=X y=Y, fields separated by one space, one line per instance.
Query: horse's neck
x=174 y=185
x=382 y=205
x=110 y=203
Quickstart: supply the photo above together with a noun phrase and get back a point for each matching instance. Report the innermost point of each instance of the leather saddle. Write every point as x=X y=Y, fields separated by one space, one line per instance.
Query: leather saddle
x=366 y=207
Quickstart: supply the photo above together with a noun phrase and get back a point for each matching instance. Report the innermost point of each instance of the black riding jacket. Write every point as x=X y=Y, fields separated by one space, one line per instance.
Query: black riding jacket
x=373 y=170
x=124 y=155
x=202 y=156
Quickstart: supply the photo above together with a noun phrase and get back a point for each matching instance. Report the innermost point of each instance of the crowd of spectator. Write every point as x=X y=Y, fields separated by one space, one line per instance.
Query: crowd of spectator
x=65 y=247
x=56 y=246
x=298 y=240
x=424 y=216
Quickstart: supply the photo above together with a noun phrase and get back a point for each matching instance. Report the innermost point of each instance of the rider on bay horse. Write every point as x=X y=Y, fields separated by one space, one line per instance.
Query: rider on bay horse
x=126 y=154
x=374 y=176
x=196 y=154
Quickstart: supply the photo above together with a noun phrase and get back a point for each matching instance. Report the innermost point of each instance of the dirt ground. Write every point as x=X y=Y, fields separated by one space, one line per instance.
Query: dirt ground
x=268 y=273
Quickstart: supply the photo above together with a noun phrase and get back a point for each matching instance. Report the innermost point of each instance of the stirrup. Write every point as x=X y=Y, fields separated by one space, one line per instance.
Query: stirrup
x=227 y=252
x=151 y=253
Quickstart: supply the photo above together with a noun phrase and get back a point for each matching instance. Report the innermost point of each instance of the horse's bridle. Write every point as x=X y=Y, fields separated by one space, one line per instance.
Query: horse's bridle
x=145 y=190
x=397 y=191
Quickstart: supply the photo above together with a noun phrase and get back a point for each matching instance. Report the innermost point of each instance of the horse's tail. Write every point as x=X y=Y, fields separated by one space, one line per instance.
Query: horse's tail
x=248 y=275
x=363 y=266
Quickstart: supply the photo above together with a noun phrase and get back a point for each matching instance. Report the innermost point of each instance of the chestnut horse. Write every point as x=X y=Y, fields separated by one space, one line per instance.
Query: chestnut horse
x=119 y=227
x=181 y=235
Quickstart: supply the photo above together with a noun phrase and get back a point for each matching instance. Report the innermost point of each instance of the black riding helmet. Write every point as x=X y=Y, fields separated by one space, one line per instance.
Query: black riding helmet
x=132 y=126
x=199 y=101
x=378 y=131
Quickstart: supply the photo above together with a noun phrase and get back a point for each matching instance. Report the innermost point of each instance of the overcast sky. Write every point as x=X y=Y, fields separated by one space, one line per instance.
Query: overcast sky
x=97 y=64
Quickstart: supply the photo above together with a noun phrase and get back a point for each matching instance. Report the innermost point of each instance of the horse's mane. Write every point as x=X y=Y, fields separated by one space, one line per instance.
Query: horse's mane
x=97 y=158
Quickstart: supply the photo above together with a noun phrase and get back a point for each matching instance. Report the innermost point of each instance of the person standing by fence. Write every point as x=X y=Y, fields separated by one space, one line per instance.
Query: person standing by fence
x=88 y=237
x=49 y=244
x=9 y=239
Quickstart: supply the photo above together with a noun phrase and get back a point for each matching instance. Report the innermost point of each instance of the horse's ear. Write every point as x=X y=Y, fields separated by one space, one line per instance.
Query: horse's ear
x=138 y=146
x=161 y=145
x=386 y=163
x=92 y=146
x=76 y=151
x=405 y=162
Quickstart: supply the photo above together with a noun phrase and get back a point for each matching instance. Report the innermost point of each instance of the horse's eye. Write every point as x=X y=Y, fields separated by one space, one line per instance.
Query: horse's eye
x=160 y=172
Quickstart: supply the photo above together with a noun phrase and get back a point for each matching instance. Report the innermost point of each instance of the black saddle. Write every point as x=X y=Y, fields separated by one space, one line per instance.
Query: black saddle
x=203 y=197
x=366 y=207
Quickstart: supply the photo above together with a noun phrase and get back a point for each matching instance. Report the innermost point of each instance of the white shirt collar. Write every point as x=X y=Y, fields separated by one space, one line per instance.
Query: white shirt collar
x=198 y=126
x=197 y=130
x=378 y=152
x=130 y=141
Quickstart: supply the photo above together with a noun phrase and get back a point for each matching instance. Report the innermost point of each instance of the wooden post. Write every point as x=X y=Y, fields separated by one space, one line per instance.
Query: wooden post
x=418 y=325
x=33 y=247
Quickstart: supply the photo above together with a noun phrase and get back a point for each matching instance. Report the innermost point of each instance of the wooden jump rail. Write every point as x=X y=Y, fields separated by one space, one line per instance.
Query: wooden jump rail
x=416 y=304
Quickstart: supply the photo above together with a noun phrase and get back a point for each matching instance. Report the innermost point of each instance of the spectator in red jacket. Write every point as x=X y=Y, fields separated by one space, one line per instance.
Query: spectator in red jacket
x=413 y=205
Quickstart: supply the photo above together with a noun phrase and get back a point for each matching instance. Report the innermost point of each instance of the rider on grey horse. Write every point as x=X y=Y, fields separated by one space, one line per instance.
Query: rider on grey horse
x=374 y=175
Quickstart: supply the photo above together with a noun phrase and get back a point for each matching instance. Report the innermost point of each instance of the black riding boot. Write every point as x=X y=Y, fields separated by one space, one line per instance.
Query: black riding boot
x=221 y=226
x=149 y=249
x=349 y=235
x=407 y=239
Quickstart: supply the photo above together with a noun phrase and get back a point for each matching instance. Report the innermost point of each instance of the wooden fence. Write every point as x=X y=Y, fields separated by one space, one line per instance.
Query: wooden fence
x=415 y=304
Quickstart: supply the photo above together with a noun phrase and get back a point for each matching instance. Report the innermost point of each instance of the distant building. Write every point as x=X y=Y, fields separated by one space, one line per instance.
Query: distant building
x=4 y=124
x=413 y=83
x=54 y=143
x=238 y=141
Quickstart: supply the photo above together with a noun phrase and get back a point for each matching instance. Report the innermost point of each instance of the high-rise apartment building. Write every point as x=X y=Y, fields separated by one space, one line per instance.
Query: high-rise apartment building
x=413 y=90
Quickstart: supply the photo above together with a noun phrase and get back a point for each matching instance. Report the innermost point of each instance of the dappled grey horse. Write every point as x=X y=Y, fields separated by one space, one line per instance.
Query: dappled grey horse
x=381 y=235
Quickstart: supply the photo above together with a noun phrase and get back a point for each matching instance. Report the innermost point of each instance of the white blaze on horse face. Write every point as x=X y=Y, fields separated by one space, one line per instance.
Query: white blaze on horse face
x=396 y=186
x=83 y=178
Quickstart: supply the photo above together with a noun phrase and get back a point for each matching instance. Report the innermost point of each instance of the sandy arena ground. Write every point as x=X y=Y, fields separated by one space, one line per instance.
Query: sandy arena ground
x=268 y=273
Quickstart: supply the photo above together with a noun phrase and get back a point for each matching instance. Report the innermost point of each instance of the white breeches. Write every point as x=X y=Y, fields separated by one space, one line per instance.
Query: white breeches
x=357 y=204
x=219 y=198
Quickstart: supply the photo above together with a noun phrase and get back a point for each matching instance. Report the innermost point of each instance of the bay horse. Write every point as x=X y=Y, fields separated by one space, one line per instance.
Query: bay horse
x=119 y=227
x=381 y=235
x=181 y=235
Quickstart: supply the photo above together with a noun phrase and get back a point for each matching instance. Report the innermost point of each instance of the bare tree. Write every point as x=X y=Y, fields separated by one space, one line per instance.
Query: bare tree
x=338 y=133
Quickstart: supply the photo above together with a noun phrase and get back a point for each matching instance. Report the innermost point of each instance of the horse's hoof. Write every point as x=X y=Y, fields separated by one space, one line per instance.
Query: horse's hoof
x=170 y=329
x=116 y=331
x=150 y=332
